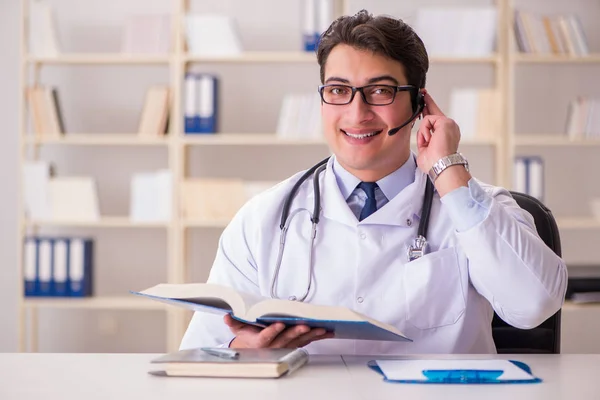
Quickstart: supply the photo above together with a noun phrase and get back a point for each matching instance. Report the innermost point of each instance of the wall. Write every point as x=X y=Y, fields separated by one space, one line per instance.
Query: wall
x=9 y=23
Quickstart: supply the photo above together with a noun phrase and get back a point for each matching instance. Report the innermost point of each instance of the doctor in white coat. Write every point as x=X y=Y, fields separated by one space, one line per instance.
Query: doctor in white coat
x=484 y=254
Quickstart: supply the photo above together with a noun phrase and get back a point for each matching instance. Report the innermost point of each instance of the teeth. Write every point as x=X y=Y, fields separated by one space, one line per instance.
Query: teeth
x=362 y=136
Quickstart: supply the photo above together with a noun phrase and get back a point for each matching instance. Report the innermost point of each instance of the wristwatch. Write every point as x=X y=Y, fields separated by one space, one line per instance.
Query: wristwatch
x=445 y=162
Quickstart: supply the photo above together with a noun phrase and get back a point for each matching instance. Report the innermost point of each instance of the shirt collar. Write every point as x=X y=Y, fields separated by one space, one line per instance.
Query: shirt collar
x=390 y=185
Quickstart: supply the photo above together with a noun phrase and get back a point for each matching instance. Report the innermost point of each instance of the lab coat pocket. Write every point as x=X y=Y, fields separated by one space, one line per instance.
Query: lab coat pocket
x=433 y=290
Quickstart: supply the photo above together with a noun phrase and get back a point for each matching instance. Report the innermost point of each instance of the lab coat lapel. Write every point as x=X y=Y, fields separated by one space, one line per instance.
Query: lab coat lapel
x=405 y=206
x=333 y=204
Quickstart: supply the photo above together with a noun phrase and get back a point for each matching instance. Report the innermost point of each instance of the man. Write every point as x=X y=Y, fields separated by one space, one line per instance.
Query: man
x=483 y=250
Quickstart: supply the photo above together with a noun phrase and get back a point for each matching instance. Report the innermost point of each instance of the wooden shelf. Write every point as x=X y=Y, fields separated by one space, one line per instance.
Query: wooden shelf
x=236 y=139
x=132 y=302
x=104 y=222
x=100 y=58
x=464 y=60
x=554 y=59
x=214 y=223
x=258 y=57
x=98 y=139
x=553 y=140
x=578 y=223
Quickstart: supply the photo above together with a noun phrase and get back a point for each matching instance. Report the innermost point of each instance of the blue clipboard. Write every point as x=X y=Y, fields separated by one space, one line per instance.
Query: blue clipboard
x=462 y=376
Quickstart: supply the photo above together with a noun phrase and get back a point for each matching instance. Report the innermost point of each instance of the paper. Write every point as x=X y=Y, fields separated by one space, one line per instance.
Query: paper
x=403 y=370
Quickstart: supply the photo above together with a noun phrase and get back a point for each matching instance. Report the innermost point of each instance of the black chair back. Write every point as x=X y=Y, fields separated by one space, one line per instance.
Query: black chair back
x=544 y=338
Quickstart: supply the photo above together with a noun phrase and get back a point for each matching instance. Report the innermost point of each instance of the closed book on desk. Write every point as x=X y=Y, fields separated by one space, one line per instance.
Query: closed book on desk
x=250 y=363
x=263 y=311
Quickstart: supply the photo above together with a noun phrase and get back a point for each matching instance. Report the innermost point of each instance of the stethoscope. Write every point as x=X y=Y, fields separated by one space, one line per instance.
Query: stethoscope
x=415 y=251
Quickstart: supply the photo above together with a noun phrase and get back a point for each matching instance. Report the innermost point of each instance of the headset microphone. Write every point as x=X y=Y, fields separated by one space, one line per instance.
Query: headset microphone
x=419 y=110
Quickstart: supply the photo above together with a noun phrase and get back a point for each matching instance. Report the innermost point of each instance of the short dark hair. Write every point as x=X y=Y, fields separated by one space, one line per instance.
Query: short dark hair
x=382 y=35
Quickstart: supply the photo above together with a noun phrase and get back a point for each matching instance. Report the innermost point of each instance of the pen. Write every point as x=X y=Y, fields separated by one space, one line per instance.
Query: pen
x=221 y=352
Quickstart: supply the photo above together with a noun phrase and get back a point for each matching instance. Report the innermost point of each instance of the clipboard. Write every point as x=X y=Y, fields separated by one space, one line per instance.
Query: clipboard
x=438 y=371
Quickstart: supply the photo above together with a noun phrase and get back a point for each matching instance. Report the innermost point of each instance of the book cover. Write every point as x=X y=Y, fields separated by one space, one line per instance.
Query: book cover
x=247 y=363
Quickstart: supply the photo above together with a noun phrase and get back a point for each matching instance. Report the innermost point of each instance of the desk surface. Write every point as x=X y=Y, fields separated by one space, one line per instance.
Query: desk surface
x=124 y=376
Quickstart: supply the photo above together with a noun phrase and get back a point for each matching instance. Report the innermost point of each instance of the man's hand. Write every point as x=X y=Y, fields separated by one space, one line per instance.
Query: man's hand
x=438 y=136
x=273 y=336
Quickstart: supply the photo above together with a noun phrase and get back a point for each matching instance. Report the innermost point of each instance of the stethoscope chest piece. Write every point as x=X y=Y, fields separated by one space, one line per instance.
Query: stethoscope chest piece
x=418 y=249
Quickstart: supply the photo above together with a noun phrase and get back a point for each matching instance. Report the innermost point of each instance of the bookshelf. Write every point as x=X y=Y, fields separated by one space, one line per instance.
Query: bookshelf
x=178 y=230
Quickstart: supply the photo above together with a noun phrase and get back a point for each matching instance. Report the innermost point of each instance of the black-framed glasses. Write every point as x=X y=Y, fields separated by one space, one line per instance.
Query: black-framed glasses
x=374 y=95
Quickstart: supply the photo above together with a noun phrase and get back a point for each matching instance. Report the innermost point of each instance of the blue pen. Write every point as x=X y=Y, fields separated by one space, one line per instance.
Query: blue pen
x=221 y=352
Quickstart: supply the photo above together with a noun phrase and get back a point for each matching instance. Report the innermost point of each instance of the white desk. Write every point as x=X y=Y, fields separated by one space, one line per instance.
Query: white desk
x=124 y=376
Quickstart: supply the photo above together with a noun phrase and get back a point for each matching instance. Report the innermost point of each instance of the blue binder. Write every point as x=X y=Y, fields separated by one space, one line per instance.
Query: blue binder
x=462 y=376
x=201 y=103
x=80 y=267
x=30 y=262
x=60 y=267
x=44 y=266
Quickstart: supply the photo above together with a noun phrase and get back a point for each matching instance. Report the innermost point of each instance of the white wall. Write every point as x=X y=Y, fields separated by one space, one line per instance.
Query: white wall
x=9 y=67
x=108 y=99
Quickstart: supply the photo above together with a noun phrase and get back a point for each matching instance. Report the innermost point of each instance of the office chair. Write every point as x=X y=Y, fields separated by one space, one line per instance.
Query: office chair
x=544 y=338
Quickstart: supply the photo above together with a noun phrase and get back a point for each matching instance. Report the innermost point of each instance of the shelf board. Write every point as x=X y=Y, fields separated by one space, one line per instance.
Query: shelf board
x=578 y=223
x=231 y=139
x=100 y=58
x=104 y=222
x=464 y=60
x=553 y=140
x=554 y=59
x=98 y=139
x=98 y=303
x=212 y=223
x=257 y=57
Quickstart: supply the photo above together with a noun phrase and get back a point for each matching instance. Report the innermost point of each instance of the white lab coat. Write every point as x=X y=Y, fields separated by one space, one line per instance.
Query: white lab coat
x=444 y=301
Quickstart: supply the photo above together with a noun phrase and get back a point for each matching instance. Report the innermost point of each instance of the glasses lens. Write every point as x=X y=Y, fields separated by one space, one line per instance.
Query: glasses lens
x=337 y=94
x=379 y=94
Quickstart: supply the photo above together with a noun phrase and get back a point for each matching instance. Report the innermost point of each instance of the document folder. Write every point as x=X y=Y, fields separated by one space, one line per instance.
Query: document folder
x=454 y=371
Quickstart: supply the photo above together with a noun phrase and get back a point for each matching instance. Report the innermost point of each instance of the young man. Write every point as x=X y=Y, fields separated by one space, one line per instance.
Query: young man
x=483 y=250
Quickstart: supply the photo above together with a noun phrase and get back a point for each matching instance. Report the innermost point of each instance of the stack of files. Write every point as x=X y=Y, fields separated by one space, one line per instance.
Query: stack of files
x=200 y=103
x=151 y=196
x=147 y=34
x=62 y=198
x=58 y=266
x=43 y=39
x=212 y=35
x=300 y=117
x=550 y=34
x=217 y=199
x=476 y=111
x=45 y=112
x=230 y=363
x=457 y=31
x=583 y=118
x=155 y=114
x=529 y=176
x=317 y=16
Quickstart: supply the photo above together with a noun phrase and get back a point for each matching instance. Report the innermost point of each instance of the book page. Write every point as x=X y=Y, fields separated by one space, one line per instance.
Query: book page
x=211 y=295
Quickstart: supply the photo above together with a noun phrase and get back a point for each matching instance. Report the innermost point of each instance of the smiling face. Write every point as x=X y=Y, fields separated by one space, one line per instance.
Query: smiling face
x=357 y=132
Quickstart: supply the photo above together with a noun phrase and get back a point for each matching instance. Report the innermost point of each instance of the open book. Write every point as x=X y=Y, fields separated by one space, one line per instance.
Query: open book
x=262 y=311
x=249 y=363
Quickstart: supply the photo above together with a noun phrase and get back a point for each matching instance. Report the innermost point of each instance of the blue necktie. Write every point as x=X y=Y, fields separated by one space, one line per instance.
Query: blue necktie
x=370 y=205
